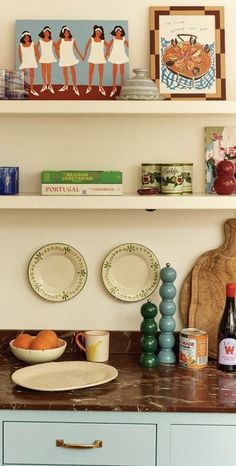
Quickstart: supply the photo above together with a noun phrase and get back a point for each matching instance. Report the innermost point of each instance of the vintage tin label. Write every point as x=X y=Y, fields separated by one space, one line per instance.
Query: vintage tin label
x=187 y=174
x=193 y=348
x=151 y=175
x=171 y=179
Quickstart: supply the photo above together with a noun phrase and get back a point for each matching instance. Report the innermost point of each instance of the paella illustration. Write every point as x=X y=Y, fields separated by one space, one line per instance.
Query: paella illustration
x=186 y=57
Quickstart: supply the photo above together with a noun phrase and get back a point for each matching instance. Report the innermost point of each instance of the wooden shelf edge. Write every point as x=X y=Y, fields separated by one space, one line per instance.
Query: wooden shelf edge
x=125 y=202
x=103 y=108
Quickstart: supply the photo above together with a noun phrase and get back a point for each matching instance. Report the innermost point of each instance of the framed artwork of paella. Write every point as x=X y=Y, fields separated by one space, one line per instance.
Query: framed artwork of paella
x=187 y=48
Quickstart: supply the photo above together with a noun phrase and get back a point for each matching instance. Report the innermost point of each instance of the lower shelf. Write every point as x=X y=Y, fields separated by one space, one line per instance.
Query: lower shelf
x=124 y=202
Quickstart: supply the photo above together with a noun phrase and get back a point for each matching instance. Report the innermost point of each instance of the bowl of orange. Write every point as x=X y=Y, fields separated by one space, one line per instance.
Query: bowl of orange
x=43 y=347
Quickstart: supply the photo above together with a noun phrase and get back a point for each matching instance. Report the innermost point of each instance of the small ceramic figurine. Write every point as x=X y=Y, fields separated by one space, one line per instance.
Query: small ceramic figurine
x=224 y=182
x=148 y=329
x=167 y=309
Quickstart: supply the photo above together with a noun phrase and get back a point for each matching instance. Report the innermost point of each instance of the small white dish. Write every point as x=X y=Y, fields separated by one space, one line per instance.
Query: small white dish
x=38 y=356
x=131 y=272
x=66 y=375
x=57 y=272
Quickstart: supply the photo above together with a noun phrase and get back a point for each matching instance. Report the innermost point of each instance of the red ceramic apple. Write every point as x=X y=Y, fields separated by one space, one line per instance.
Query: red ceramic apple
x=225 y=182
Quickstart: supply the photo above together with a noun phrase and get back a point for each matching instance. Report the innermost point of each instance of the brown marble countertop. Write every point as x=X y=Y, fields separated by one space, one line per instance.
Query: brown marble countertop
x=163 y=389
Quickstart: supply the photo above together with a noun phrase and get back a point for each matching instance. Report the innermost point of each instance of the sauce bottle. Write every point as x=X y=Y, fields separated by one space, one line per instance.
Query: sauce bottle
x=226 y=360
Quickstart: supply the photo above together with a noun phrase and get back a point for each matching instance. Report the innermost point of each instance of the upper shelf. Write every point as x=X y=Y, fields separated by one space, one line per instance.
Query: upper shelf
x=124 y=202
x=98 y=107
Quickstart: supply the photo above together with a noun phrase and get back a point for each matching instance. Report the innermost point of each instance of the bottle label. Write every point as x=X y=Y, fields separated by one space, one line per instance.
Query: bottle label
x=227 y=352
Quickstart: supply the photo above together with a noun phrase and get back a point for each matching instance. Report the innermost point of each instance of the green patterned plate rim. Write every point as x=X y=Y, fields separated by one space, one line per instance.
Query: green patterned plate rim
x=131 y=272
x=57 y=272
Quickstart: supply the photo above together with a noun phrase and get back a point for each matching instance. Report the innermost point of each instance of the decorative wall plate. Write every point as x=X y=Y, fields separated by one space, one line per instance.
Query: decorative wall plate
x=131 y=272
x=66 y=375
x=57 y=272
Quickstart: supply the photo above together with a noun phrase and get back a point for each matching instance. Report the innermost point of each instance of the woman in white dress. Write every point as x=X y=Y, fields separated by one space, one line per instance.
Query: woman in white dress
x=47 y=57
x=118 y=56
x=28 y=57
x=66 y=48
x=99 y=51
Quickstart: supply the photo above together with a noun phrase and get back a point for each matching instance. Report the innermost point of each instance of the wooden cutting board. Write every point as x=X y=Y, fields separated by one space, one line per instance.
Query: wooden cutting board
x=202 y=295
x=186 y=290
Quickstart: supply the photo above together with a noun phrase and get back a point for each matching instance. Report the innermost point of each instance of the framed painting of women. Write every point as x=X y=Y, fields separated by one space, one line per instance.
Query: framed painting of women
x=73 y=59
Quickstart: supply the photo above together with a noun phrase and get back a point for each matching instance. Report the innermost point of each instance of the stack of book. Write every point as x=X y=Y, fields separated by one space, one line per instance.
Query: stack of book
x=81 y=183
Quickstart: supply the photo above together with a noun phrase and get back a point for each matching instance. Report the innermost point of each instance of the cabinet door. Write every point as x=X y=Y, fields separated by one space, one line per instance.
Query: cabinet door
x=200 y=445
x=31 y=443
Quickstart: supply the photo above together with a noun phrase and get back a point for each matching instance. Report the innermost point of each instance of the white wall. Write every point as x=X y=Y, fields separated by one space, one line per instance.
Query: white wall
x=36 y=143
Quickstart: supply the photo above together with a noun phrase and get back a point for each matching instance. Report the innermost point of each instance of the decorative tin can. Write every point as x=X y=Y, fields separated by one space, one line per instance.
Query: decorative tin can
x=151 y=176
x=193 y=348
x=171 y=178
x=187 y=174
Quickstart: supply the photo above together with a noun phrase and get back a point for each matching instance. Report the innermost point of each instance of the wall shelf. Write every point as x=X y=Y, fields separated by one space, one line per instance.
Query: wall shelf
x=108 y=108
x=124 y=202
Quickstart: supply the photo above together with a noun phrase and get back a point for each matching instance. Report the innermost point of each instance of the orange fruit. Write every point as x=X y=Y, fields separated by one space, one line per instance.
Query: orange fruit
x=40 y=342
x=51 y=336
x=23 y=340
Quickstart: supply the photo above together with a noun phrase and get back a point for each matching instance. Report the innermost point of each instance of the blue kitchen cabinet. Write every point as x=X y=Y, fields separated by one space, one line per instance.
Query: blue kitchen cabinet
x=29 y=438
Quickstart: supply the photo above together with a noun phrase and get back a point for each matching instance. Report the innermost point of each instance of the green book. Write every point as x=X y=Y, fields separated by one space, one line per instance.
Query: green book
x=81 y=177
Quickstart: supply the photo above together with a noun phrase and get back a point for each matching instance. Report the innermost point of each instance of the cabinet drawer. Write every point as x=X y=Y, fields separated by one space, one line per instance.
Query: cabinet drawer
x=204 y=445
x=122 y=445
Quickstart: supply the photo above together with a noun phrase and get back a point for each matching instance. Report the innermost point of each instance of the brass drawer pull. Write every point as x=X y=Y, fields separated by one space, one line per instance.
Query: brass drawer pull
x=95 y=444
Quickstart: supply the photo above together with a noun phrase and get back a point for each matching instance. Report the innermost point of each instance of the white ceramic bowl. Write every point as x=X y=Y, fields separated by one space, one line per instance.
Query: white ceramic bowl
x=38 y=356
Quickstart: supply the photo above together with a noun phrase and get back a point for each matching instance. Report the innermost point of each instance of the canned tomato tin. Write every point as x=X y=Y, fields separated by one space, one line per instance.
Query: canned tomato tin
x=193 y=348
x=187 y=174
x=171 y=178
x=151 y=176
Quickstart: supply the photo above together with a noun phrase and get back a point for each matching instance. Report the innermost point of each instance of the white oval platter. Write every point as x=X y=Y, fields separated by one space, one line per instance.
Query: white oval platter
x=65 y=375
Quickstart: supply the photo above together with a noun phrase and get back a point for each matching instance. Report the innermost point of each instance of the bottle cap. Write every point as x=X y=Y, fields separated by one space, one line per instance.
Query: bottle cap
x=230 y=290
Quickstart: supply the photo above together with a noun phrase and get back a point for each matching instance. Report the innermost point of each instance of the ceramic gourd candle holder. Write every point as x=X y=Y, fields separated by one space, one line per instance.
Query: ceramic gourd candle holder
x=224 y=182
x=148 y=329
x=167 y=309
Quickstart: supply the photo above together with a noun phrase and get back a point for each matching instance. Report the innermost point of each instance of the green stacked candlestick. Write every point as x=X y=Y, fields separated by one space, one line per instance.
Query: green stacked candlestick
x=148 y=329
x=167 y=309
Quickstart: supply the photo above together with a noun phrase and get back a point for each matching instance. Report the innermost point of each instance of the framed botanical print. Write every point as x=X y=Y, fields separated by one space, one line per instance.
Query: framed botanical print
x=187 y=48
